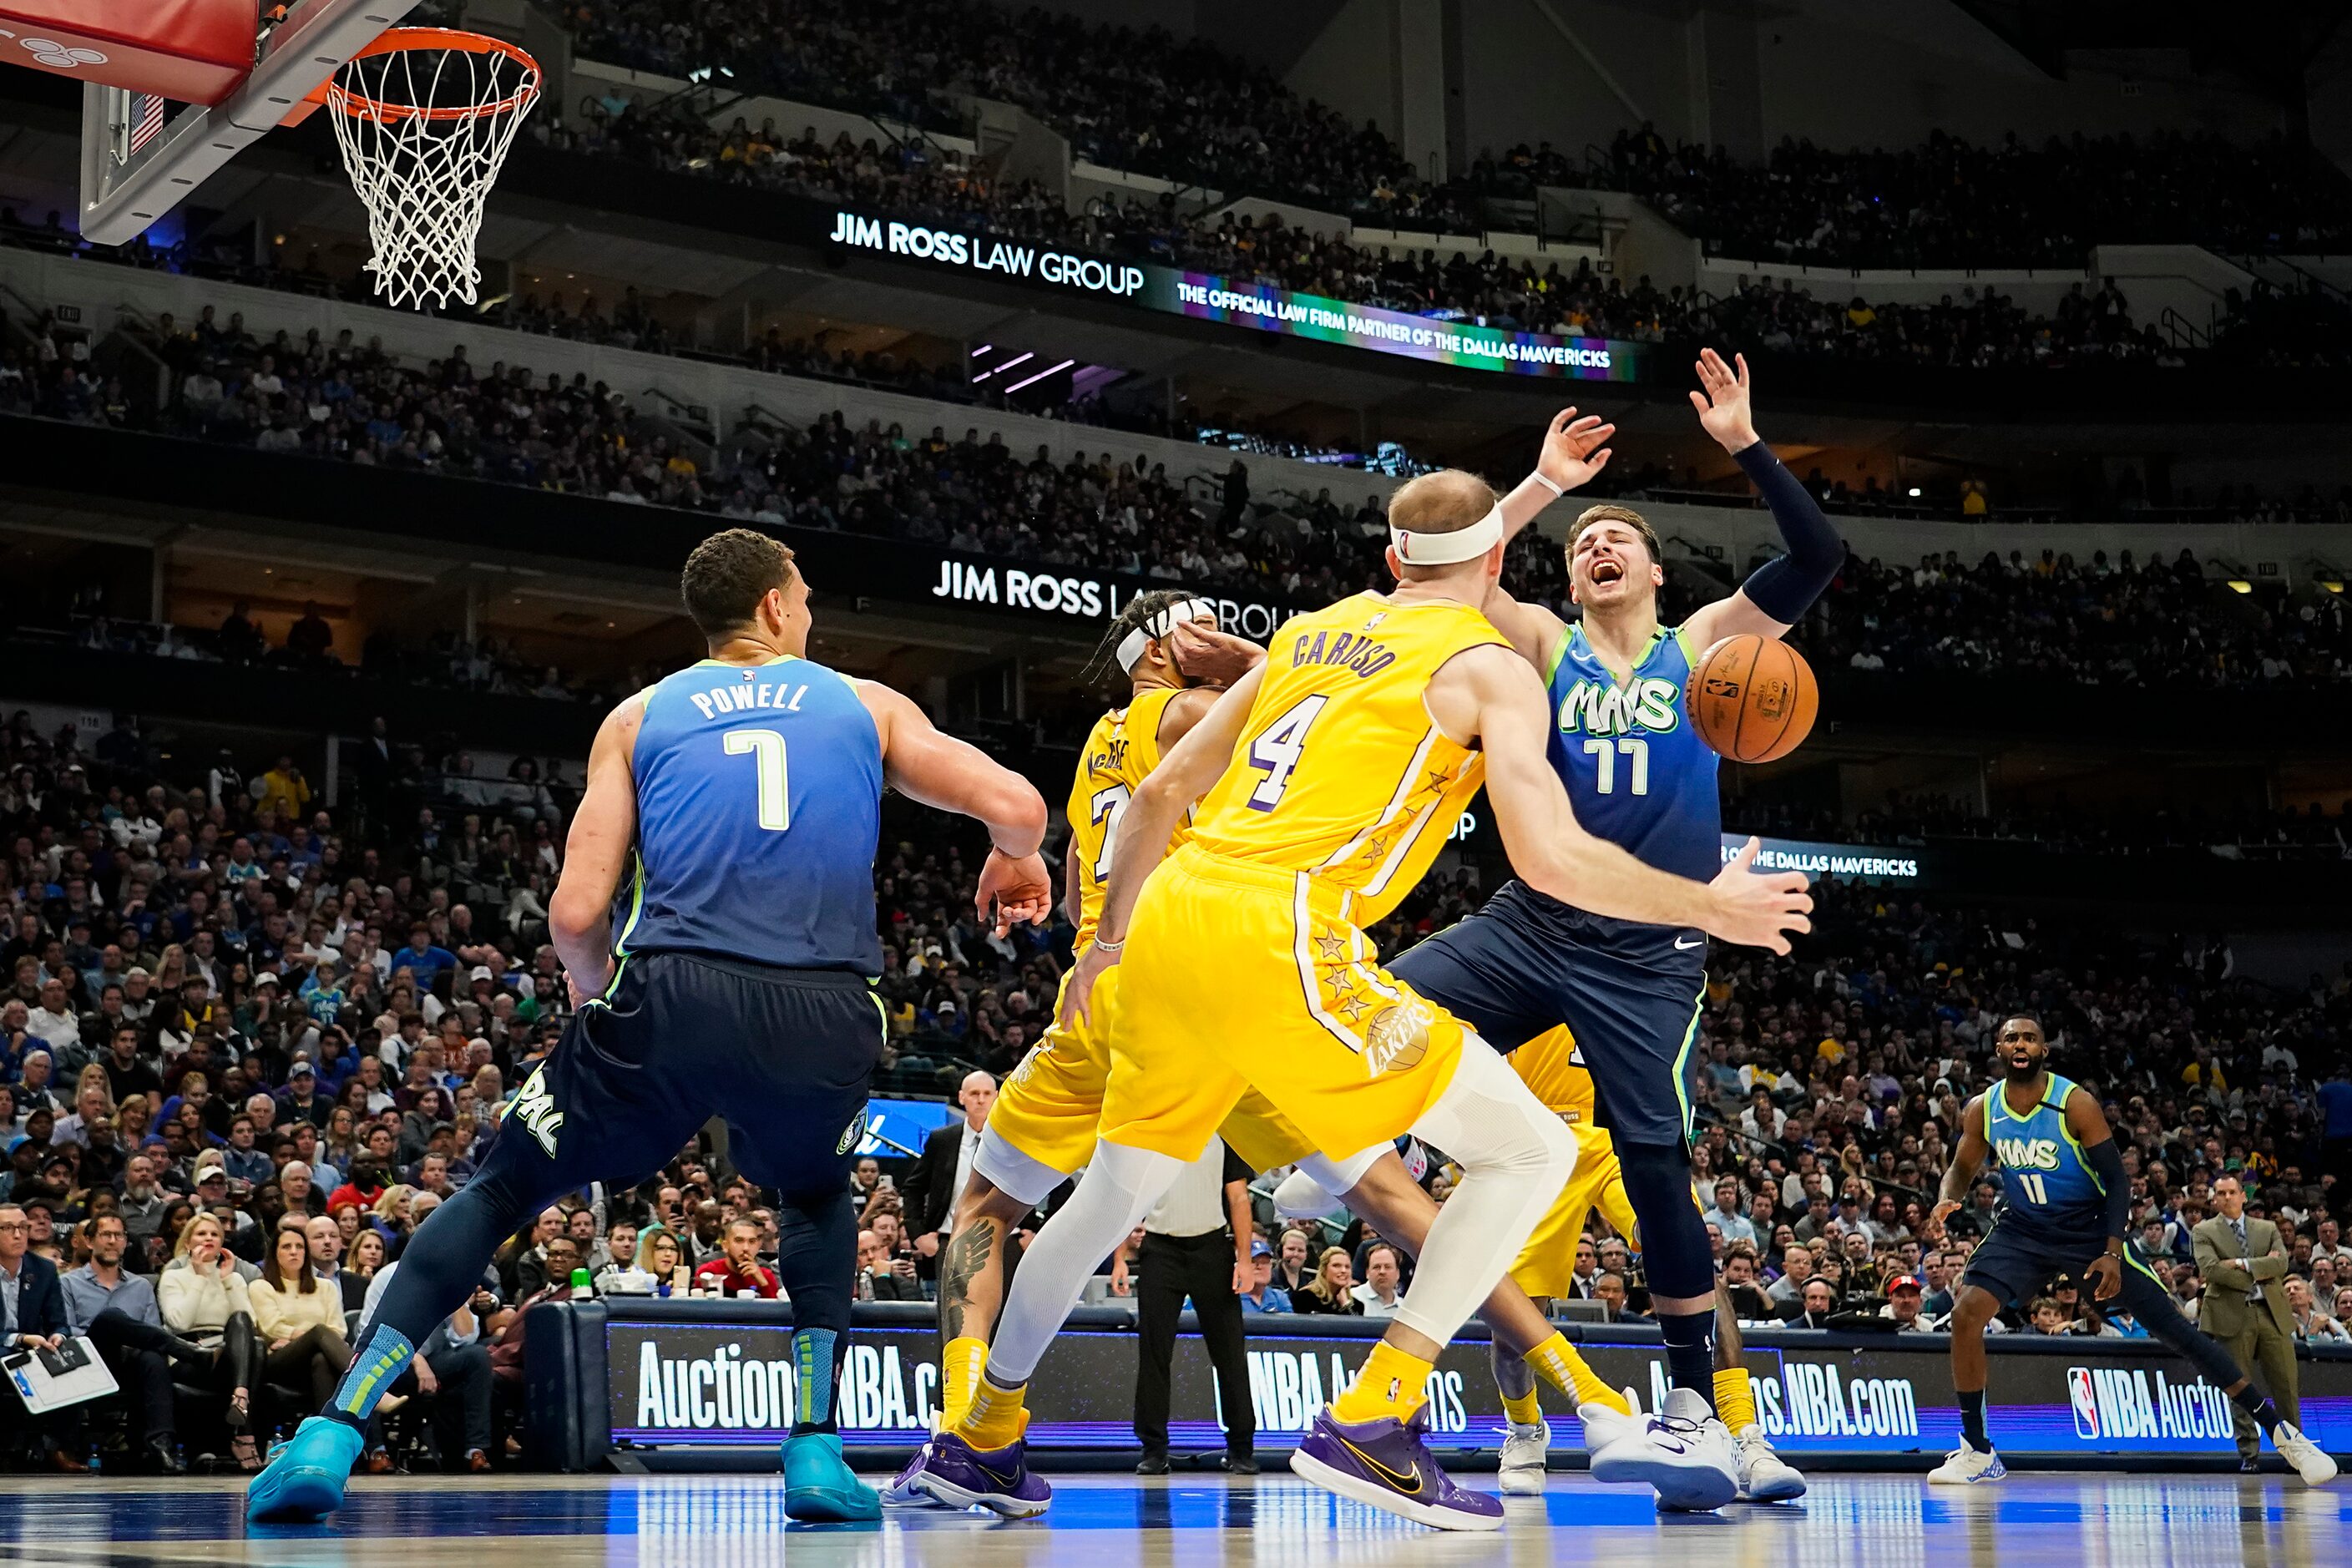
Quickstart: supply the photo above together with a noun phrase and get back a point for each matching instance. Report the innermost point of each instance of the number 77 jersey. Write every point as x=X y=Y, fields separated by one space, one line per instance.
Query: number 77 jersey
x=1340 y=772
x=1636 y=771
x=759 y=804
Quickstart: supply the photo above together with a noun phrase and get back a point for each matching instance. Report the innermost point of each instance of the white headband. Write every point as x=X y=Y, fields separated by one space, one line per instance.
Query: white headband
x=1131 y=647
x=1447 y=549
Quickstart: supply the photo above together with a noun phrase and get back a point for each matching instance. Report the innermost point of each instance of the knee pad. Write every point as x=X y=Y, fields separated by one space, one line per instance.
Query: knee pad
x=1675 y=1253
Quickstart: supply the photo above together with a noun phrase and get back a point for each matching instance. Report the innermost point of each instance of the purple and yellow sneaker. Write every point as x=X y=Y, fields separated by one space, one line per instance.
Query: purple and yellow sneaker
x=951 y=1471
x=1386 y=1463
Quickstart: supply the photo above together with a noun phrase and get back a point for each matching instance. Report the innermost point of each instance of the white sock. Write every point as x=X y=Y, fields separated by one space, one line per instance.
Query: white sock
x=1516 y=1157
x=1121 y=1185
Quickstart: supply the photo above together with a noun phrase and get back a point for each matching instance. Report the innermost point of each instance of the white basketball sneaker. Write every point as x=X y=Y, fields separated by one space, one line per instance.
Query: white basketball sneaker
x=1522 y=1470
x=1684 y=1452
x=1967 y=1466
x=2310 y=1461
x=1764 y=1476
x=1602 y=1424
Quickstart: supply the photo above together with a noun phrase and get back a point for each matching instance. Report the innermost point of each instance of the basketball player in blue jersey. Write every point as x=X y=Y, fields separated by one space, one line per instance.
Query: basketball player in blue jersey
x=2066 y=1209
x=1640 y=776
x=746 y=793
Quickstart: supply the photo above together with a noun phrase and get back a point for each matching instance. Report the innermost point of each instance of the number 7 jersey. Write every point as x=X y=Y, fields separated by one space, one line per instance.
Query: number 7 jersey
x=758 y=805
x=1121 y=752
x=1340 y=772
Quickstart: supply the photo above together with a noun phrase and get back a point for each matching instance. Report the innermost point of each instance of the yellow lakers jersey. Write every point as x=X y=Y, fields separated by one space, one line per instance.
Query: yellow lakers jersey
x=1121 y=752
x=1340 y=770
x=1553 y=1068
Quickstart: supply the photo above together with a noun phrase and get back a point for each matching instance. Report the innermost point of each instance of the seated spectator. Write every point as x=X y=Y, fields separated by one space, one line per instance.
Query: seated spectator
x=737 y=1272
x=204 y=1298
x=1379 y=1295
x=119 y=1312
x=299 y=1321
x=1262 y=1295
x=1331 y=1288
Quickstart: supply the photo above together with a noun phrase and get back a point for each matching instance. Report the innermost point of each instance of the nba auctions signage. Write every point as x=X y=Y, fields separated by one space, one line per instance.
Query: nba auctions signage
x=1240 y=303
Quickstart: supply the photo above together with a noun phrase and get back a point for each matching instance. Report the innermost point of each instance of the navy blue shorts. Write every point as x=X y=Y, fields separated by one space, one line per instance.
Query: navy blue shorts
x=2016 y=1261
x=1527 y=963
x=787 y=1056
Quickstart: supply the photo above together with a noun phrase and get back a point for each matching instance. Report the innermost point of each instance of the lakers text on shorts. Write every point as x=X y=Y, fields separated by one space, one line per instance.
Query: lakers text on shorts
x=1548 y=1262
x=1238 y=975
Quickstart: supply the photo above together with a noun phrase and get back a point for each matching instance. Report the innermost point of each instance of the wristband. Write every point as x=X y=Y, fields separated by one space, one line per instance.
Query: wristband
x=1108 y=946
x=1542 y=479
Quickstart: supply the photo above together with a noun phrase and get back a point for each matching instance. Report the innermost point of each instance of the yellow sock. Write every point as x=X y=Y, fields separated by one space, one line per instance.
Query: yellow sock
x=1391 y=1383
x=1556 y=1362
x=1733 y=1401
x=996 y=1417
x=960 y=1368
x=1523 y=1408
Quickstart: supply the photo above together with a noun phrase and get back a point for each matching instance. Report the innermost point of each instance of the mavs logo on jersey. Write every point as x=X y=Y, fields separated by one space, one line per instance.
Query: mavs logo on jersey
x=1637 y=774
x=2043 y=1174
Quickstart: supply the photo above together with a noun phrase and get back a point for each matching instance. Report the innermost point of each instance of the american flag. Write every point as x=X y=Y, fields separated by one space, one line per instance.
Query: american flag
x=147 y=110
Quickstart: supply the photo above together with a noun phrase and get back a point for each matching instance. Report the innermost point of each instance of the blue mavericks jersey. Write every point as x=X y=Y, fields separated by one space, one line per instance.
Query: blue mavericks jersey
x=2043 y=1177
x=1636 y=771
x=759 y=803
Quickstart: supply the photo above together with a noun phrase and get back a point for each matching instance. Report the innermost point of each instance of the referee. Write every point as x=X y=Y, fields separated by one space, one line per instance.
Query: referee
x=1196 y=1244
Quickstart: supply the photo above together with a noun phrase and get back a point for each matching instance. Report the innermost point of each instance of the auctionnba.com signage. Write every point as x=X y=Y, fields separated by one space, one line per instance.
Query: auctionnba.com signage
x=1205 y=297
x=632 y=1371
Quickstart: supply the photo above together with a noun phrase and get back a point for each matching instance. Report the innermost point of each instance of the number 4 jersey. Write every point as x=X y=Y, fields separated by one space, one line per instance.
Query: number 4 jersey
x=1340 y=772
x=759 y=804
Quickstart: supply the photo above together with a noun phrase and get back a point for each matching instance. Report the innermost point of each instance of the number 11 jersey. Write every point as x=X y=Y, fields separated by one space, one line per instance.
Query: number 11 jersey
x=1340 y=772
x=759 y=805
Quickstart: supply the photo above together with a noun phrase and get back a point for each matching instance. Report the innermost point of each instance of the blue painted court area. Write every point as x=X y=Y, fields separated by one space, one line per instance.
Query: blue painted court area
x=1872 y=1521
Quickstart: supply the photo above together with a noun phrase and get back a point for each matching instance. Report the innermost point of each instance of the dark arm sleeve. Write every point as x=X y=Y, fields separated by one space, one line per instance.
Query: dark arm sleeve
x=1785 y=589
x=2108 y=1161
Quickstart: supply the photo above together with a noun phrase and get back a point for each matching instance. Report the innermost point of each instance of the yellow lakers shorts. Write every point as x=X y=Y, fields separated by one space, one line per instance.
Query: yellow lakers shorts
x=1051 y=1107
x=1238 y=976
x=1548 y=1259
x=1051 y=1103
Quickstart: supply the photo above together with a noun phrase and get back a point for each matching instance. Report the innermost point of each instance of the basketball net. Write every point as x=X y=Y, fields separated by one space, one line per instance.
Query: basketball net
x=425 y=116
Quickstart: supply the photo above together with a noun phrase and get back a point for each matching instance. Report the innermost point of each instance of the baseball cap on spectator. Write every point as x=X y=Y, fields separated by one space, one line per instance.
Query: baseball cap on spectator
x=266 y=978
x=1904 y=1282
x=1258 y=1248
x=481 y=974
x=302 y=1069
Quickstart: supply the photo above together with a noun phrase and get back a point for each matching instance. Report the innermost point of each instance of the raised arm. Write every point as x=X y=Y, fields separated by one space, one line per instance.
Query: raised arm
x=1575 y=449
x=1778 y=594
x=595 y=852
x=943 y=772
x=1497 y=698
x=1184 y=774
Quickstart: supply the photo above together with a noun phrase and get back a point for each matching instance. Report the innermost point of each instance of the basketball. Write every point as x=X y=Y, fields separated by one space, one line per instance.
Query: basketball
x=1753 y=699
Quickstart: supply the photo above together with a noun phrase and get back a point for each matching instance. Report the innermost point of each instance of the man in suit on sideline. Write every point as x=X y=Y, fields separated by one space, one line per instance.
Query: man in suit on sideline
x=2242 y=1260
x=931 y=1188
x=33 y=1318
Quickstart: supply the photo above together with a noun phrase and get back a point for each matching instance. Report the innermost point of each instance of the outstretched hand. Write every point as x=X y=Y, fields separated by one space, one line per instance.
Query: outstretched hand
x=1724 y=410
x=1575 y=449
x=1213 y=659
x=1758 y=909
x=1014 y=891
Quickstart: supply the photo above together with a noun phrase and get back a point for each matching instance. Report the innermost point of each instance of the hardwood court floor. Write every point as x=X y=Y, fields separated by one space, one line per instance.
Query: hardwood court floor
x=1273 y=1521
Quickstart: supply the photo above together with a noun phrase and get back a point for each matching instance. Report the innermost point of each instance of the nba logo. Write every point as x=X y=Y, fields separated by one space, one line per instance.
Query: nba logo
x=2086 y=1402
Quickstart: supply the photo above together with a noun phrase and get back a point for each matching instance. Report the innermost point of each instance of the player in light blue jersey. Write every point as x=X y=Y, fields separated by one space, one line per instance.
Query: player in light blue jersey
x=2066 y=1209
x=715 y=921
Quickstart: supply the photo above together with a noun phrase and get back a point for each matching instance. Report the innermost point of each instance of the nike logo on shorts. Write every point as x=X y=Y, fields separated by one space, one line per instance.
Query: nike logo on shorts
x=1681 y=943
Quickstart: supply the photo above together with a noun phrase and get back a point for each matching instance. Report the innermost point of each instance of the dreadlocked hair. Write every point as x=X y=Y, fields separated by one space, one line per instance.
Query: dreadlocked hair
x=1140 y=610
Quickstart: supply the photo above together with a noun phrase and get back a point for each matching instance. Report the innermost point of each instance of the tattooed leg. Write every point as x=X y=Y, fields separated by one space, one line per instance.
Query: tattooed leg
x=971 y=1287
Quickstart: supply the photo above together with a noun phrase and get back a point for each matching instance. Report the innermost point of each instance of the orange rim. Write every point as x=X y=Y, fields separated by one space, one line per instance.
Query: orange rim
x=397 y=40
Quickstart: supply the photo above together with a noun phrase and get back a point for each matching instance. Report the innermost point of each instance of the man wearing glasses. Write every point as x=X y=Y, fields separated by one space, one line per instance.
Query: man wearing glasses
x=33 y=1318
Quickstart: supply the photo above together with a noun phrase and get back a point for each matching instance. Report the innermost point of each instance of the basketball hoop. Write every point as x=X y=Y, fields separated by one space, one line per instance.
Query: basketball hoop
x=425 y=116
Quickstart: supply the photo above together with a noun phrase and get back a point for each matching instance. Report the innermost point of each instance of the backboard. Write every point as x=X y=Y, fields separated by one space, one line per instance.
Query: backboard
x=142 y=153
